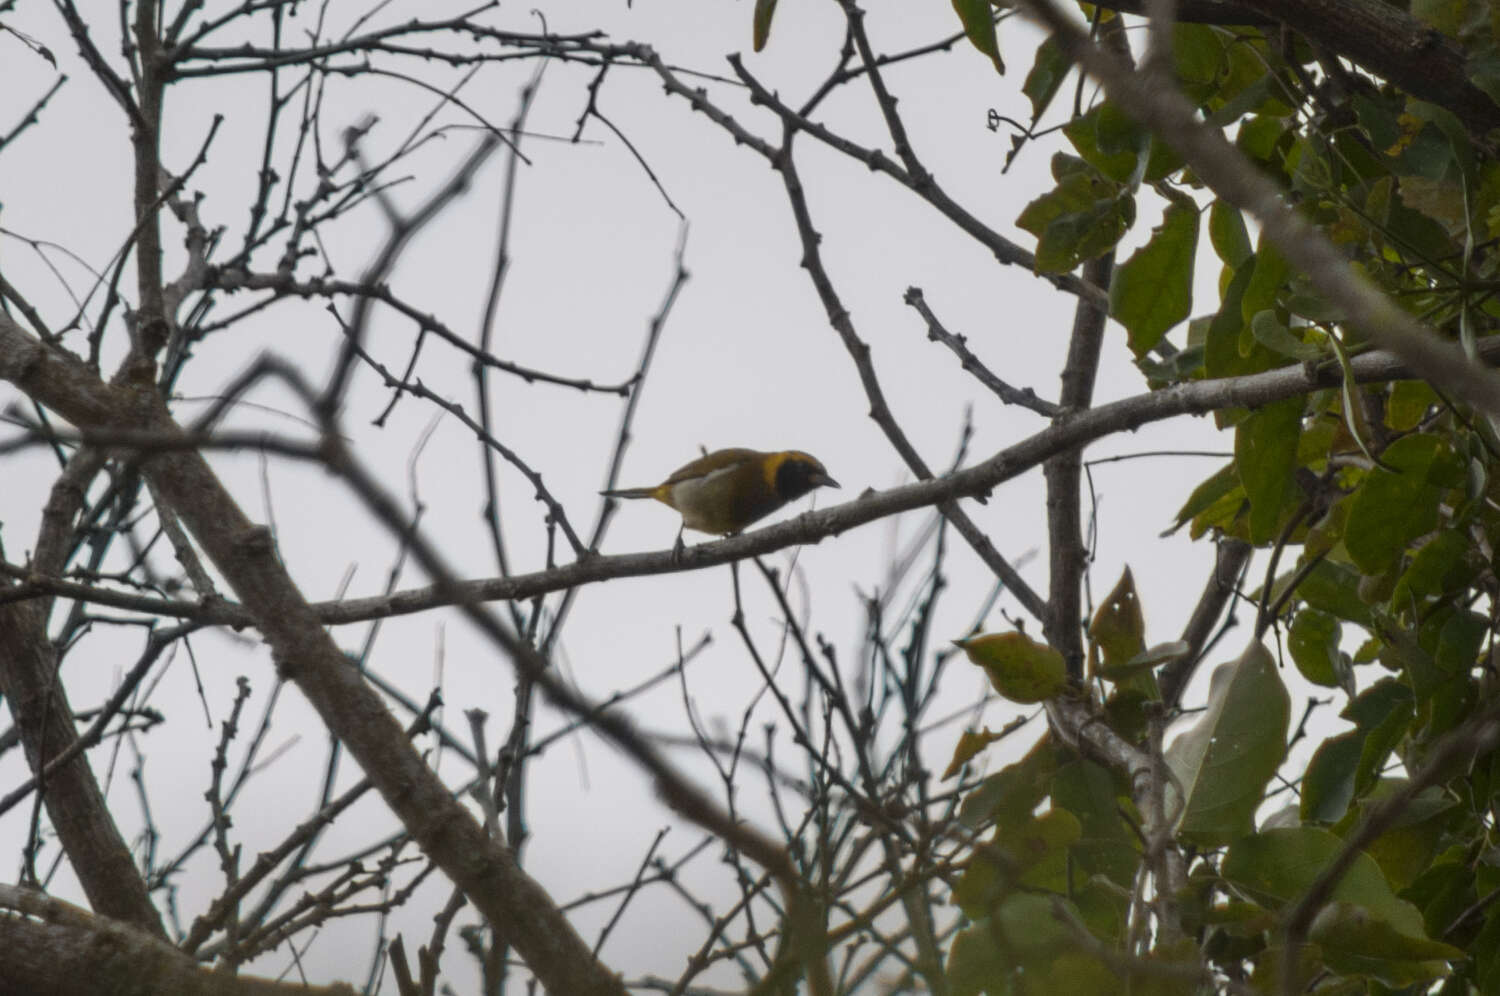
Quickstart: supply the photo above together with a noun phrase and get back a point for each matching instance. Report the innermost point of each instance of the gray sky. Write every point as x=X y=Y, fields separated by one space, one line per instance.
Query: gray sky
x=747 y=359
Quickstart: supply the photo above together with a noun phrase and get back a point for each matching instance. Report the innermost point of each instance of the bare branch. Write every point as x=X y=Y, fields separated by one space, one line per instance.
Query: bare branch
x=66 y=950
x=1023 y=396
x=24 y=367
x=1068 y=556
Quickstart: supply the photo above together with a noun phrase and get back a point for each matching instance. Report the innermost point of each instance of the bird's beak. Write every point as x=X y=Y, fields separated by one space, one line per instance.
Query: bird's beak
x=823 y=481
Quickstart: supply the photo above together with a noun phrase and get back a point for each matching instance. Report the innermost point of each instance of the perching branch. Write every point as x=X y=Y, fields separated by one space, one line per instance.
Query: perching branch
x=28 y=363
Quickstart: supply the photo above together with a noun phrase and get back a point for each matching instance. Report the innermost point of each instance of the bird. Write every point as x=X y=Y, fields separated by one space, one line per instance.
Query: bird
x=724 y=491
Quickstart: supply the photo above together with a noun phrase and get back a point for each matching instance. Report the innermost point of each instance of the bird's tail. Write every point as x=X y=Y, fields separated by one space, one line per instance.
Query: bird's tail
x=630 y=493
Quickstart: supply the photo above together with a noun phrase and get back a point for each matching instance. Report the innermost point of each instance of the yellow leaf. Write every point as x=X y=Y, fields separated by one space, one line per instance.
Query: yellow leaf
x=1118 y=631
x=1021 y=669
x=969 y=744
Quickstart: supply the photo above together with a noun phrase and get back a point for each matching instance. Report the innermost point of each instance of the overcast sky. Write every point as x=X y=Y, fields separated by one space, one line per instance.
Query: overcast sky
x=747 y=359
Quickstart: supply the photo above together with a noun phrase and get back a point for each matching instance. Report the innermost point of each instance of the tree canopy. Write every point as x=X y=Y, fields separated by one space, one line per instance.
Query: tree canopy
x=1287 y=212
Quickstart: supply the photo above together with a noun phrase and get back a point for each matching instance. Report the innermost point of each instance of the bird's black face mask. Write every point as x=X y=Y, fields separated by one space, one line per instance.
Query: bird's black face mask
x=795 y=478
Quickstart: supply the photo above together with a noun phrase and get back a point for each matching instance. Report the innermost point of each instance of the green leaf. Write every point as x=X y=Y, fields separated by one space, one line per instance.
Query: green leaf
x=1184 y=365
x=1486 y=950
x=1226 y=230
x=1349 y=401
x=976 y=962
x=1077 y=973
x=989 y=874
x=1012 y=792
x=1334 y=588
x=1226 y=512
x=1418 y=236
x=1306 y=304
x=1041 y=849
x=1272 y=333
x=761 y=25
x=1413 y=658
x=1048 y=71
x=1130 y=704
x=1313 y=448
x=1113 y=143
x=1262 y=134
x=1355 y=941
x=1446 y=16
x=1026 y=933
x=1105 y=908
x=1268 y=975
x=1459 y=641
x=1458 y=156
x=1483 y=71
x=1074 y=238
x=1223 y=481
x=1441 y=200
x=1443 y=890
x=1106 y=846
x=1266 y=281
x=1376 y=118
x=1258 y=136
x=1243 y=84
x=1265 y=452
x=1198 y=57
x=979 y=25
x=1019 y=668
x=1378 y=741
x=1276 y=867
x=1028 y=854
x=1033 y=927
x=1153 y=290
x=1328 y=782
x=1374 y=704
x=1082 y=217
x=1408 y=404
x=1313 y=640
x=1389 y=510
x=1405 y=851
x=1223 y=763
x=1439 y=567
x=1221 y=345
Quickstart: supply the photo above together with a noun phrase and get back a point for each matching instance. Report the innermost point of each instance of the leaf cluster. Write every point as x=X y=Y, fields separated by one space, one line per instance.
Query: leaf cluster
x=1379 y=504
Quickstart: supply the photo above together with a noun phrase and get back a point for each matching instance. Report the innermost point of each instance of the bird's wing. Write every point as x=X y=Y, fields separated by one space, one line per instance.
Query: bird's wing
x=718 y=460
